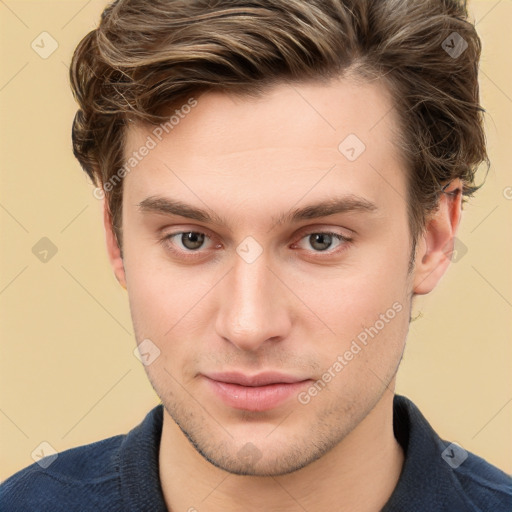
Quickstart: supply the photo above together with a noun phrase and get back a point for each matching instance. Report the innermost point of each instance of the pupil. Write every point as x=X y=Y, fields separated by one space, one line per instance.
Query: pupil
x=321 y=241
x=192 y=240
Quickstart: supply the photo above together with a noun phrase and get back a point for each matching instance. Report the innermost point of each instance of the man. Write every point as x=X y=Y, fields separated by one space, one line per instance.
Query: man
x=280 y=179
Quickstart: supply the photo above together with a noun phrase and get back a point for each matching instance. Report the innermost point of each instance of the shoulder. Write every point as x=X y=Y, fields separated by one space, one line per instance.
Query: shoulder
x=483 y=485
x=80 y=478
x=115 y=474
x=440 y=475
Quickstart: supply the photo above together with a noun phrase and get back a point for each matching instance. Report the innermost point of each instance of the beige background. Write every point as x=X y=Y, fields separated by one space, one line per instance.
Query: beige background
x=68 y=373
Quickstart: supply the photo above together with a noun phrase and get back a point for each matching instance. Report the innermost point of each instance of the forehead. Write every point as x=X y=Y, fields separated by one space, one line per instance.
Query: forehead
x=310 y=109
x=288 y=140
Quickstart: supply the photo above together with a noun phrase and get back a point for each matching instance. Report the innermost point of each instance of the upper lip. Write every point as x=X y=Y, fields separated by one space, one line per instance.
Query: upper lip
x=260 y=379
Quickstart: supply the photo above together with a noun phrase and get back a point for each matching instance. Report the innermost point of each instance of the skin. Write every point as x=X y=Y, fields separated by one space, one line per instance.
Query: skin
x=294 y=309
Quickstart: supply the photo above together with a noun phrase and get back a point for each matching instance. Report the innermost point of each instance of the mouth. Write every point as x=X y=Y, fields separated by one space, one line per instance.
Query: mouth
x=256 y=393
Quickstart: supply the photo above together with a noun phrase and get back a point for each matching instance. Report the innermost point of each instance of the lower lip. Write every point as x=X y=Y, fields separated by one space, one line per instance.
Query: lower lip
x=257 y=398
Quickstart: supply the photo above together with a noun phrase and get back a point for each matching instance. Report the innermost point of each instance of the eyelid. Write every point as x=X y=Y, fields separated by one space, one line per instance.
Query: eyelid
x=309 y=230
x=170 y=231
x=344 y=233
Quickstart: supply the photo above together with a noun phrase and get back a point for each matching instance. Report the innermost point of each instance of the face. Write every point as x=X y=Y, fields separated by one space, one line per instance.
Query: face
x=269 y=266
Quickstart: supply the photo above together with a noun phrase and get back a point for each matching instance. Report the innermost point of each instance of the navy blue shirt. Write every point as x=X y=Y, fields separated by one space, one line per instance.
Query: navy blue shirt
x=120 y=474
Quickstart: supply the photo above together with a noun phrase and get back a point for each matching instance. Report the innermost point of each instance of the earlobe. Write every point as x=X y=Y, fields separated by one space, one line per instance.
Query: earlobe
x=435 y=248
x=113 y=250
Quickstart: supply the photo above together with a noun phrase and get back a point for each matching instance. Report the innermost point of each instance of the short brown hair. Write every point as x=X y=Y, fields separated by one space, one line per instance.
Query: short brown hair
x=146 y=57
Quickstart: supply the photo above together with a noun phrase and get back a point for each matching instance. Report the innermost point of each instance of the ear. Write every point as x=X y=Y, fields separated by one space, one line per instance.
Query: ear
x=435 y=247
x=113 y=250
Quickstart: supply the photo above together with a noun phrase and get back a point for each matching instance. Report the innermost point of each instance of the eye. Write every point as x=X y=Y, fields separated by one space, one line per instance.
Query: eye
x=323 y=241
x=186 y=241
x=191 y=240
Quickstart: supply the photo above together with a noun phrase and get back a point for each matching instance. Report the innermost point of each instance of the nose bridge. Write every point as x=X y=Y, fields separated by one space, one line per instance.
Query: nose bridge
x=250 y=293
x=251 y=311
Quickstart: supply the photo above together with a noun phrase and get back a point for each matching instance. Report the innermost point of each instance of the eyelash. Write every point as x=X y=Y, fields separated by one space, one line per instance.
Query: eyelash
x=189 y=254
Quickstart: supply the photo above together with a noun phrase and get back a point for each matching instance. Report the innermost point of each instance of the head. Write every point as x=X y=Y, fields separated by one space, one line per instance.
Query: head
x=275 y=194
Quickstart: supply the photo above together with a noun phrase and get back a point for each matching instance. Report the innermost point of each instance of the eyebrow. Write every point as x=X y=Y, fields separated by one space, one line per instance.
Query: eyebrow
x=330 y=206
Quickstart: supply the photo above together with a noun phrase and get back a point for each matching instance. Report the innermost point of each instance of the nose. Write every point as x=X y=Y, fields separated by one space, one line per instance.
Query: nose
x=253 y=308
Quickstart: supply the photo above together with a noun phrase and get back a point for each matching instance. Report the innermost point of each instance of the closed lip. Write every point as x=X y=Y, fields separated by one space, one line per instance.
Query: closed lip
x=259 y=379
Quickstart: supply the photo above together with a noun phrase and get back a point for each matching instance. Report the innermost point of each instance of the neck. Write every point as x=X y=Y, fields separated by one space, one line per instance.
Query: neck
x=360 y=473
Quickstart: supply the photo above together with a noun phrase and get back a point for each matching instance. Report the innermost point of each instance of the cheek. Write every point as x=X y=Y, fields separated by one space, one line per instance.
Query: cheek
x=351 y=298
x=160 y=294
x=367 y=307
x=359 y=361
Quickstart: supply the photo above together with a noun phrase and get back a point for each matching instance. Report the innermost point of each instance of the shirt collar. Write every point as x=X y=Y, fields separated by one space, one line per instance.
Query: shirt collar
x=139 y=470
x=427 y=482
